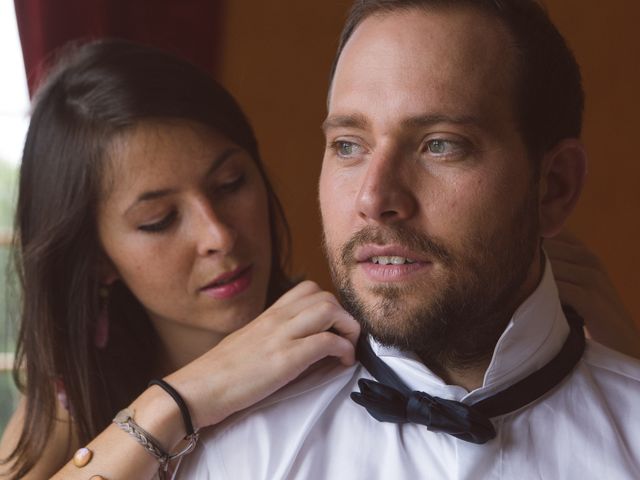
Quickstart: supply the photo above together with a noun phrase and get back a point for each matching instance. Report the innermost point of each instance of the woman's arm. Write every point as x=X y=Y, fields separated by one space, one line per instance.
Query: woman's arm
x=584 y=284
x=62 y=443
x=245 y=367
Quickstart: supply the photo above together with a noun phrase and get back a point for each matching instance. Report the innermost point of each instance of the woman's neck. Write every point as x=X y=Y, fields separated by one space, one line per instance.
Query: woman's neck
x=180 y=344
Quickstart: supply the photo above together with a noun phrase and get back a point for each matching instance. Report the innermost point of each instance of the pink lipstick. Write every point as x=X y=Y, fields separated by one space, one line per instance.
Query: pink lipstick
x=229 y=284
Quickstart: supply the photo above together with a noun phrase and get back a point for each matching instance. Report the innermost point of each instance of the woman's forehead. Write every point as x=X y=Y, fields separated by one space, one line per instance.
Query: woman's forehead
x=159 y=151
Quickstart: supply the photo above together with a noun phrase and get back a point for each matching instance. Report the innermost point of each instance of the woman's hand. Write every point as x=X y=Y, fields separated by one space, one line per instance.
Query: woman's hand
x=305 y=325
x=585 y=285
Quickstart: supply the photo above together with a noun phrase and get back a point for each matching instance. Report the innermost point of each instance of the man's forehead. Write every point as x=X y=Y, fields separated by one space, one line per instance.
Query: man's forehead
x=468 y=32
x=416 y=63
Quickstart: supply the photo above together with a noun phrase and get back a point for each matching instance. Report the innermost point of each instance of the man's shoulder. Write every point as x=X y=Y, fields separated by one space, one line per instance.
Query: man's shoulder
x=309 y=394
x=610 y=365
x=326 y=378
x=609 y=381
x=274 y=429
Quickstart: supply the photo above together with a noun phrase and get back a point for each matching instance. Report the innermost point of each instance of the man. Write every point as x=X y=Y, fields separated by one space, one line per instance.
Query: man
x=452 y=151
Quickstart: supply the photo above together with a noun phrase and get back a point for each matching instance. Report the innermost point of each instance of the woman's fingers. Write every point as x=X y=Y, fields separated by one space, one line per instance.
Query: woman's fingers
x=304 y=326
x=325 y=344
x=306 y=310
x=584 y=284
x=347 y=327
x=320 y=313
x=310 y=324
x=300 y=291
x=571 y=251
x=592 y=280
x=297 y=300
x=573 y=295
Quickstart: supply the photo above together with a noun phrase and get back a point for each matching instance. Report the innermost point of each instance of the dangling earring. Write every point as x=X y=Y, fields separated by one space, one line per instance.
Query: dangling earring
x=102 y=324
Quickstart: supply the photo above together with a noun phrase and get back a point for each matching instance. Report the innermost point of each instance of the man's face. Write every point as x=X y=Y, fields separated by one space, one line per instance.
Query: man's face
x=428 y=197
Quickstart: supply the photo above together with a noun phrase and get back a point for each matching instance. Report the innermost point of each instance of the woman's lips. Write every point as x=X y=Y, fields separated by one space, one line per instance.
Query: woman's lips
x=229 y=284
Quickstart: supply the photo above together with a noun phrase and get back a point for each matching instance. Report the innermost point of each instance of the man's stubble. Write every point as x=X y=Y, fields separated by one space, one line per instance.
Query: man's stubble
x=474 y=295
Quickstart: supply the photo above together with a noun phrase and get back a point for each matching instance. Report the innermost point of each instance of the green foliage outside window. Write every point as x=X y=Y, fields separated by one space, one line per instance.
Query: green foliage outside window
x=8 y=395
x=8 y=179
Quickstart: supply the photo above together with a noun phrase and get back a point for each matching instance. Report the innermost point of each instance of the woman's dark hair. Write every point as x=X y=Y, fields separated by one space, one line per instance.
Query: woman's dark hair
x=97 y=92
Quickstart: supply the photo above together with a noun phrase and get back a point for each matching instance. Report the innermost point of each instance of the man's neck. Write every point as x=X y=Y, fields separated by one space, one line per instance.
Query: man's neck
x=470 y=378
x=468 y=369
x=467 y=375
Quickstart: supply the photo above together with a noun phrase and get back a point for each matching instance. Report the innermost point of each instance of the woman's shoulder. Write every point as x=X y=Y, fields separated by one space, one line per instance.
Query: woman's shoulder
x=59 y=447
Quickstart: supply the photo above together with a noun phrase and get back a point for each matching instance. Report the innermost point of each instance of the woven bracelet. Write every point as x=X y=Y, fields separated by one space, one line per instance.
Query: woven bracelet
x=124 y=420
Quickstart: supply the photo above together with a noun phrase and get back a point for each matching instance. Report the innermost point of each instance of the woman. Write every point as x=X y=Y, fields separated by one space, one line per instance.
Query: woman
x=584 y=283
x=149 y=238
x=147 y=233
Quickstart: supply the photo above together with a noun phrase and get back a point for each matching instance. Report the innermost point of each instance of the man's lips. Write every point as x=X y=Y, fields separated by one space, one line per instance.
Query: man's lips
x=366 y=253
x=390 y=263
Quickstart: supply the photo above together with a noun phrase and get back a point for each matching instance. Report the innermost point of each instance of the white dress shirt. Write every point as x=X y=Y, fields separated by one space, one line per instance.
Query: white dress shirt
x=588 y=427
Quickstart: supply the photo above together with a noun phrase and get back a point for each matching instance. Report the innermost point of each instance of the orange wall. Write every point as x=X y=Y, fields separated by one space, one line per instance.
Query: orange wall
x=276 y=62
x=604 y=37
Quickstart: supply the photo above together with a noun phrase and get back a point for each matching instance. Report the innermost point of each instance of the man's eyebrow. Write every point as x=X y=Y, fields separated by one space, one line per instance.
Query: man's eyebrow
x=350 y=121
x=360 y=121
x=215 y=164
x=430 y=120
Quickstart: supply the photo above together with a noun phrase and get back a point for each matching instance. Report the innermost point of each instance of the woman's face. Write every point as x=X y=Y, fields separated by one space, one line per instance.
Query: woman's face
x=184 y=222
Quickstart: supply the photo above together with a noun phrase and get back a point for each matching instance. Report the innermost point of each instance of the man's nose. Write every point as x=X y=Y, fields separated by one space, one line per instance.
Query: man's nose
x=213 y=232
x=384 y=195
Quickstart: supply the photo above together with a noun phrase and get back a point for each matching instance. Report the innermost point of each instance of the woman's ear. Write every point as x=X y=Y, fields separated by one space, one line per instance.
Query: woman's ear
x=107 y=272
x=562 y=176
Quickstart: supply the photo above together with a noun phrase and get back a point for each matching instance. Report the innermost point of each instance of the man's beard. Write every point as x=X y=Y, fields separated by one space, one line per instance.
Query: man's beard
x=473 y=295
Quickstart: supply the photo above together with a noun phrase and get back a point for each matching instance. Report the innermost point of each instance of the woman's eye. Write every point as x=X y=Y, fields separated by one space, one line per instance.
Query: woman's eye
x=346 y=149
x=230 y=186
x=160 y=225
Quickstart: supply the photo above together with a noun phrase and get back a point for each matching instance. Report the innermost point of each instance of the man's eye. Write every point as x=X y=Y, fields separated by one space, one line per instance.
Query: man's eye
x=441 y=148
x=346 y=149
x=437 y=146
x=160 y=225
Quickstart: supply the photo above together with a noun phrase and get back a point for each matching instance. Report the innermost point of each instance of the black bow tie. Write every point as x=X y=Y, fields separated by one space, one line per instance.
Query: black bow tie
x=392 y=401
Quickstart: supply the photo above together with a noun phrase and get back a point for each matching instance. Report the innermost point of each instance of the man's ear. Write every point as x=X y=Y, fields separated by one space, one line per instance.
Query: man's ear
x=562 y=176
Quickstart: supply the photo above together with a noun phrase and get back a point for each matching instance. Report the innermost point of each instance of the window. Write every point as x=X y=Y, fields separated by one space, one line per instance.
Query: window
x=14 y=106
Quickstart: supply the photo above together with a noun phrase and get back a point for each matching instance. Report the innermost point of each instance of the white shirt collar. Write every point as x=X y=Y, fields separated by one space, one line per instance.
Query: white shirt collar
x=532 y=338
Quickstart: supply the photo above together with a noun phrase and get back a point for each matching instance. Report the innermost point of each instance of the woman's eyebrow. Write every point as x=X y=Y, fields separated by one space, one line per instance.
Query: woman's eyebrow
x=215 y=164
x=220 y=159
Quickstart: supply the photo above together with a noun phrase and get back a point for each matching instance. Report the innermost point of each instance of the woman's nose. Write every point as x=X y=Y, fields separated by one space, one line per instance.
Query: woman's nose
x=214 y=233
